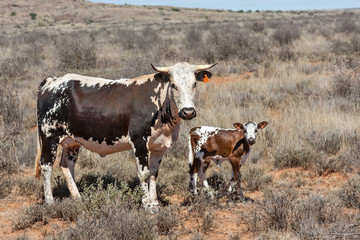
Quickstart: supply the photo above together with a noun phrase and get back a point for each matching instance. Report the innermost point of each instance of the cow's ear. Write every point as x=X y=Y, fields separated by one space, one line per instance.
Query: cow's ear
x=162 y=77
x=262 y=125
x=238 y=126
x=200 y=76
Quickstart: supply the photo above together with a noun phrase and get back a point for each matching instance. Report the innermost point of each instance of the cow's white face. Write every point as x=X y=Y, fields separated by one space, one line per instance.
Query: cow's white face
x=182 y=87
x=182 y=79
x=250 y=130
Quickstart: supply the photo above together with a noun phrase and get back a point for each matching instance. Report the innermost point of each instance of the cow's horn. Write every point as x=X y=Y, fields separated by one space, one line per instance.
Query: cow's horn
x=160 y=69
x=204 y=67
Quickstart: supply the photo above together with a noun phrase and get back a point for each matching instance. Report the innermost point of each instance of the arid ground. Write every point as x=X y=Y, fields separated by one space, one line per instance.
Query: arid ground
x=298 y=70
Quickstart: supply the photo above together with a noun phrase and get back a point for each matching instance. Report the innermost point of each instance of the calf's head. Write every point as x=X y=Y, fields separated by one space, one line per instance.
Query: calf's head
x=182 y=78
x=250 y=130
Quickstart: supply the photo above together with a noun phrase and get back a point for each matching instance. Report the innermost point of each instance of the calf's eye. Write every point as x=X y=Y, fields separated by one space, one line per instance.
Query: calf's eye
x=194 y=85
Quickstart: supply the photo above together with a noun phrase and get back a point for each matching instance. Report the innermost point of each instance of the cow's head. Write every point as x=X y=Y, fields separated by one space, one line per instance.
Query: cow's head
x=182 y=78
x=250 y=130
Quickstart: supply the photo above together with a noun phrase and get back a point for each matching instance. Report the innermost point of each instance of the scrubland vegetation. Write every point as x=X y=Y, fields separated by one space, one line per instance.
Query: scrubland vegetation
x=300 y=72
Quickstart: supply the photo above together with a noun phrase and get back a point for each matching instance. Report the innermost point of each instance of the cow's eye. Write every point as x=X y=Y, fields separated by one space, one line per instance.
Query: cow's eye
x=194 y=85
x=255 y=131
x=173 y=86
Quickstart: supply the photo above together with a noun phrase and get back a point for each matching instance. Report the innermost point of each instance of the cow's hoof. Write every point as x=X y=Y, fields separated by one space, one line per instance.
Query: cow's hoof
x=49 y=201
x=153 y=209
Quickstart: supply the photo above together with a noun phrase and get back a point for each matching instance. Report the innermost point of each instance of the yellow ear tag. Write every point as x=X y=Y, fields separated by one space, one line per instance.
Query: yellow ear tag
x=206 y=79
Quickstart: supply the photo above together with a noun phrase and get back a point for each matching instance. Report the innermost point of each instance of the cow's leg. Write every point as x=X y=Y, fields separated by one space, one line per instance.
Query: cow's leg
x=141 y=156
x=237 y=178
x=48 y=156
x=68 y=160
x=194 y=166
x=155 y=160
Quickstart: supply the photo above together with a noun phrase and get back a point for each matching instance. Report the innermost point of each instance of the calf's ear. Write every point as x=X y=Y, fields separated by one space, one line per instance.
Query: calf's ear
x=162 y=77
x=262 y=125
x=238 y=126
x=200 y=76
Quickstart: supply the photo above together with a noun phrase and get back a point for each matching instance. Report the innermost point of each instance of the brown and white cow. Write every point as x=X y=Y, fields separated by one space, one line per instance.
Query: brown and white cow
x=217 y=144
x=108 y=116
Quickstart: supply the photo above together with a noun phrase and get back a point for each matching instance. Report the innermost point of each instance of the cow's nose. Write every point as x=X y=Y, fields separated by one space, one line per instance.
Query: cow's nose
x=187 y=113
x=251 y=141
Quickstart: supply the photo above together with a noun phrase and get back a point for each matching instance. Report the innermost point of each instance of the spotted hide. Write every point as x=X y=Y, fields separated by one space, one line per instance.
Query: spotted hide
x=217 y=144
x=108 y=116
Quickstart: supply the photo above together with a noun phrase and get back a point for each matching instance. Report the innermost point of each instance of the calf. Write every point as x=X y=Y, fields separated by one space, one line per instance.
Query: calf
x=211 y=143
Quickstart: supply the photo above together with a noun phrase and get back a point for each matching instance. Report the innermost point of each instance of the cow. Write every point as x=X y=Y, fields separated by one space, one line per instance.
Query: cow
x=142 y=114
x=217 y=144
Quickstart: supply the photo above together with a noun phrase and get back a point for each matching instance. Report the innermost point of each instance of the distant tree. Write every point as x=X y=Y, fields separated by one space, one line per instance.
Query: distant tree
x=33 y=16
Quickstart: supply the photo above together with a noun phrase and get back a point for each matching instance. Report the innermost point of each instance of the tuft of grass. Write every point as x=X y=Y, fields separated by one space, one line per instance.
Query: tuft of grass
x=67 y=209
x=207 y=222
x=166 y=220
x=350 y=193
x=5 y=185
x=286 y=34
x=255 y=178
x=112 y=223
x=295 y=156
x=76 y=52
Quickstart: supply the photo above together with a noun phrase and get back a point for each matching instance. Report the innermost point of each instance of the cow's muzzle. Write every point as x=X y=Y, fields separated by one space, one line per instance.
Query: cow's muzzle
x=251 y=141
x=187 y=113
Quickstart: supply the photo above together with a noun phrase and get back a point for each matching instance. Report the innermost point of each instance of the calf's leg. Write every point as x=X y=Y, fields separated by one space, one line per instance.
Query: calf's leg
x=237 y=178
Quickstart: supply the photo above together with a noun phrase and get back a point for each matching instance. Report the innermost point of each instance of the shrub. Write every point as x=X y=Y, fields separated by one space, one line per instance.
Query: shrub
x=285 y=34
x=5 y=185
x=207 y=222
x=166 y=220
x=33 y=16
x=295 y=156
x=314 y=211
x=286 y=54
x=346 y=84
x=347 y=24
x=95 y=197
x=8 y=160
x=112 y=223
x=273 y=212
x=255 y=177
x=350 y=193
x=257 y=26
x=327 y=141
x=76 y=52
x=67 y=210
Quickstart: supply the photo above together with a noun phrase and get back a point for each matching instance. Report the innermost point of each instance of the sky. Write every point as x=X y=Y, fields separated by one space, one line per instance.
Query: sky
x=246 y=4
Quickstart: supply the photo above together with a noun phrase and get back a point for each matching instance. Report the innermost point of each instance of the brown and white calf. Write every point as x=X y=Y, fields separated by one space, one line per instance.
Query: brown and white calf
x=217 y=144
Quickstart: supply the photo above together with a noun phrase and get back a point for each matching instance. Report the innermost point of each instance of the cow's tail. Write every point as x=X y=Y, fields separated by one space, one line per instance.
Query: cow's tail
x=38 y=155
x=191 y=154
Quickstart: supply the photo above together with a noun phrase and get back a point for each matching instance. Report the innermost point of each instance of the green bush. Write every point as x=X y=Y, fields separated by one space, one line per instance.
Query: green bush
x=33 y=16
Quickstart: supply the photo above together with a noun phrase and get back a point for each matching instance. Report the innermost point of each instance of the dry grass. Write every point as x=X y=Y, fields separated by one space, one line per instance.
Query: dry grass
x=283 y=68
